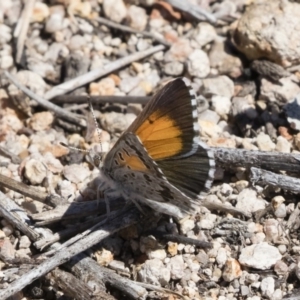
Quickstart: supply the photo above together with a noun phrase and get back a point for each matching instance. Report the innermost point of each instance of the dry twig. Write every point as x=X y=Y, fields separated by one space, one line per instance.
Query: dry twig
x=95 y=74
x=275 y=161
x=17 y=217
x=75 y=210
x=84 y=267
x=224 y=208
x=22 y=28
x=115 y=25
x=129 y=217
x=194 y=10
x=294 y=219
x=100 y=99
x=31 y=192
x=71 y=286
x=14 y=158
x=23 y=188
x=46 y=104
x=264 y=177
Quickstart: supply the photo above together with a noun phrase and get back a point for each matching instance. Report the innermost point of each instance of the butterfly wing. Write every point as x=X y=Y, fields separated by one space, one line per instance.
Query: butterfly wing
x=168 y=129
x=139 y=178
x=193 y=174
x=168 y=125
x=160 y=158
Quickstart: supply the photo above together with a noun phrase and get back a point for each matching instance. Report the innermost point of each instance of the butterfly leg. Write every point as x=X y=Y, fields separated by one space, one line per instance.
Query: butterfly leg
x=136 y=203
x=101 y=194
x=133 y=199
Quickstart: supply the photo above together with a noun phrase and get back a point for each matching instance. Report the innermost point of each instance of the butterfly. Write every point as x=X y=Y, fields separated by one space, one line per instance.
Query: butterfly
x=159 y=160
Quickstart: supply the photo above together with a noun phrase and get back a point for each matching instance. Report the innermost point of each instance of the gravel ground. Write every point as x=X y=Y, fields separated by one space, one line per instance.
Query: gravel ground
x=242 y=57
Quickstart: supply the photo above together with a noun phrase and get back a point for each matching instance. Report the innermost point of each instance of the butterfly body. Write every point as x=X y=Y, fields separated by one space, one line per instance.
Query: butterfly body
x=159 y=160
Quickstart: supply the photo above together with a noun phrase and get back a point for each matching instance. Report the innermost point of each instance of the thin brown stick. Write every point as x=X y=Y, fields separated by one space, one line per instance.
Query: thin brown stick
x=68 y=232
x=17 y=217
x=75 y=210
x=95 y=74
x=100 y=99
x=22 y=188
x=274 y=161
x=22 y=28
x=294 y=219
x=159 y=289
x=224 y=208
x=46 y=104
x=81 y=106
x=125 y=28
x=84 y=267
x=70 y=285
x=79 y=263
x=30 y=191
x=264 y=177
x=194 y=10
x=14 y=158
x=293 y=69
x=129 y=217
x=177 y=238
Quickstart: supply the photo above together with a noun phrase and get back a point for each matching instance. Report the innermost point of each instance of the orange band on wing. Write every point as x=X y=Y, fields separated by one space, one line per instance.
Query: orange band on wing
x=163 y=148
x=161 y=136
x=134 y=162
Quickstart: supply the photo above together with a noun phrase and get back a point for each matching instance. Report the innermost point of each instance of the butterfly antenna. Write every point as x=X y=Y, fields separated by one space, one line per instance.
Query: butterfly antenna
x=74 y=148
x=98 y=159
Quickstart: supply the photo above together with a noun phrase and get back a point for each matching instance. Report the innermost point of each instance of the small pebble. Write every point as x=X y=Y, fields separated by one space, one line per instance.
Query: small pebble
x=104 y=257
x=277 y=295
x=248 y=201
x=174 y=68
x=260 y=256
x=35 y=171
x=7 y=250
x=232 y=270
x=221 y=85
x=207 y=221
x=268 y=286
x=283 y=145
x=179 y=51
x=221 y=105
x=105 y=87
x=265 y=143
x=198 y=64
x=40 y=12
x=272 y=230
x=221 y=257
x=204 y=33
x=172 y=248
x=5 y=34
x=177 y=267
x=41 y=121
x=6 y=61
x=115 y=10
x=24 y=242
x=159 y=254
x=137 y=17
x=76 y=173
x=129 y=83
x=76 y=42
x=187 y=226
x=281 y=268
x=55 y=21
x=154 y=272
x=8 y=230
